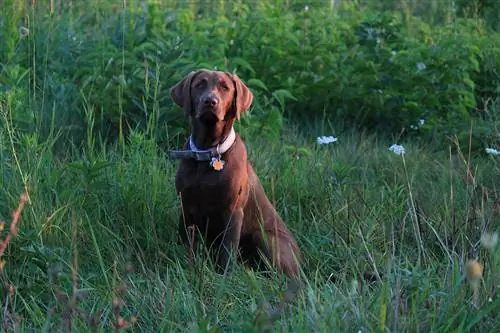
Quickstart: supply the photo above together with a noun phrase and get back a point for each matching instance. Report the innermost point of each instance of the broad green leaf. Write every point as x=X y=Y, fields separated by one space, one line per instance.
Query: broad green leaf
x=256 y=83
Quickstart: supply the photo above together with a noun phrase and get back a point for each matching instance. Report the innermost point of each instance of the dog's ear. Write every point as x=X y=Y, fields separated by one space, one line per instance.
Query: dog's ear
x=181 y=93
x=243 y=97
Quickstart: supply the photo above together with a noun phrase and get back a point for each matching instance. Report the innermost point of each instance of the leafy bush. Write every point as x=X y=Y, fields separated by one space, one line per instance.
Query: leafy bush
x=487 y=79
x=109 y=71
x=377 y=70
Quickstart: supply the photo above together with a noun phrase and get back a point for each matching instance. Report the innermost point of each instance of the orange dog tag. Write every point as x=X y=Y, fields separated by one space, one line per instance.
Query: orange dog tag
x=217 y=164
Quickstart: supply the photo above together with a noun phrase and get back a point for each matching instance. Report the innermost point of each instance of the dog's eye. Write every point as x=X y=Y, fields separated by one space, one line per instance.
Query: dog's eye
x=200 y=84
x=225 y=87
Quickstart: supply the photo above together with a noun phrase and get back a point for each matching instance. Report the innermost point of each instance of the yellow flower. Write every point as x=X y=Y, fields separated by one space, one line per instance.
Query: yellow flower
x=473 y=270
x=474 y=273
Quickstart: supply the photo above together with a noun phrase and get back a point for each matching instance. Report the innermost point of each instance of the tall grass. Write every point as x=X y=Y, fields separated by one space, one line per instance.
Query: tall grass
x=391 y=243
x=385 y=240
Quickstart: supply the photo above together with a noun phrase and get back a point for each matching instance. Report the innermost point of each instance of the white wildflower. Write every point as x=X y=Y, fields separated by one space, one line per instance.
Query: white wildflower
x=323 y=140
x=492 y=151
x=397 y=149
x=306 y=8
x=24 y=32
x=421 y=66
x=420 y=123
x=489 y=241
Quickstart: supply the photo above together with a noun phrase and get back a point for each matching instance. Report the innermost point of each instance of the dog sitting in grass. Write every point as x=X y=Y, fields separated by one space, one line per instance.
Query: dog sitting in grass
x=221 y=195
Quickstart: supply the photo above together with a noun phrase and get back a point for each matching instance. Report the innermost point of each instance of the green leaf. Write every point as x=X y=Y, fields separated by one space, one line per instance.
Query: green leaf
x=281 y=95
x=257 y=84
x=243 y=63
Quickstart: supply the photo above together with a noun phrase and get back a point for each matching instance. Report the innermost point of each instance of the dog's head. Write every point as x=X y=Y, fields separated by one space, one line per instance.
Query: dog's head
x=212 y=96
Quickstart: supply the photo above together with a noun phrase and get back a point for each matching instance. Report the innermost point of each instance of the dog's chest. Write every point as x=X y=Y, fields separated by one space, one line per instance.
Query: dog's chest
x=203 y=188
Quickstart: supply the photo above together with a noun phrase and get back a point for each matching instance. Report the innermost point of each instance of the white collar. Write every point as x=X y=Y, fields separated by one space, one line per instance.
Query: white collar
x=220 y=149
x=205 y=154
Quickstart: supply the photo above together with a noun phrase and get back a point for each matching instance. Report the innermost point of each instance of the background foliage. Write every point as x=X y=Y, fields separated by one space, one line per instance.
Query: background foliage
x=372 y=65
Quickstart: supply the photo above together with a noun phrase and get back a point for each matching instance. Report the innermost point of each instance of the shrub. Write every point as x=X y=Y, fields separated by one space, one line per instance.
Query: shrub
x=107 y=72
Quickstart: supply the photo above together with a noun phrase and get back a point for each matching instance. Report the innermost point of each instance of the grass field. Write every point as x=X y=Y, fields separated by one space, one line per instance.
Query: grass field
x=391 y=243
x=385 y=239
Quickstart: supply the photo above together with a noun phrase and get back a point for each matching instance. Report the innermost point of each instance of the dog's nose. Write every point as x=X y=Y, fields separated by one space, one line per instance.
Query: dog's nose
x=210 y=100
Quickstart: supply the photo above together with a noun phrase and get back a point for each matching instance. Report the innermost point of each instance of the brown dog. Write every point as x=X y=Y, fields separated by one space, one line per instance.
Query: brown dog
x=220 y=193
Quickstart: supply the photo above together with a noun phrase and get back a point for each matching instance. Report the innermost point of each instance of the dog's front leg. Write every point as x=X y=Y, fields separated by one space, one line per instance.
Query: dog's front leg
x=230 y=240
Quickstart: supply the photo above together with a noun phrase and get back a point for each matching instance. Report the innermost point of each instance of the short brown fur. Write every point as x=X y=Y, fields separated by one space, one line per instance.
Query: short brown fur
x=228 y=207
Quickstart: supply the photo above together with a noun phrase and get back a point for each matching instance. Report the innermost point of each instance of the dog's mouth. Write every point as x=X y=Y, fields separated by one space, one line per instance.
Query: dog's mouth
x=208 y=118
